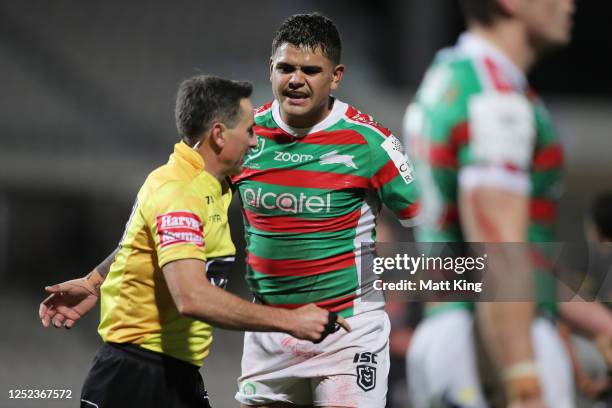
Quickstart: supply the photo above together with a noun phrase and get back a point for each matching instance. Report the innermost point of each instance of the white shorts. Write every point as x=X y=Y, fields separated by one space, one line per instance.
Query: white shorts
x=442 y=364
x=344 y=370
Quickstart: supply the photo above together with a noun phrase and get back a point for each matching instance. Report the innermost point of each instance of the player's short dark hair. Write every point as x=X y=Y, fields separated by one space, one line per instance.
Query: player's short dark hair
x=601 y=215
x=313 y=31
x=484 y=12
x=205 y=99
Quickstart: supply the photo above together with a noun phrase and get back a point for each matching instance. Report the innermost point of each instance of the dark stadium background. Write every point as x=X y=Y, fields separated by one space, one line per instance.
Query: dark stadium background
x=86 y=112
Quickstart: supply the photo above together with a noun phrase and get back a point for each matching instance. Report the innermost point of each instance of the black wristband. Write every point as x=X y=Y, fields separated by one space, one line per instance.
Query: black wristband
x=330 y=327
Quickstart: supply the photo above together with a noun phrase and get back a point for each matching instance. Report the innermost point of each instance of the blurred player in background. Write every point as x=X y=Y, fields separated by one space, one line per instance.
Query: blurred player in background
x=592 y=357
x=489 y=163
x=157 y=303
x=311 y=192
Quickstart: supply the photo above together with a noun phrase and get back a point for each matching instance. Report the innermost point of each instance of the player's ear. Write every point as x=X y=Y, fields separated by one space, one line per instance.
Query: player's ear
x=337 y=76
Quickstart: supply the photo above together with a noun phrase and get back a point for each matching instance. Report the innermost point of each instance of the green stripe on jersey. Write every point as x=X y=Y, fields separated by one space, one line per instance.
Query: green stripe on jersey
x=304 y=289
x=303 y=246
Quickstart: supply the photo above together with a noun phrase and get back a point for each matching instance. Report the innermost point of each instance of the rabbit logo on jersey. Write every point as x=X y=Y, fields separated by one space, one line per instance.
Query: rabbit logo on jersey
x=287 y=202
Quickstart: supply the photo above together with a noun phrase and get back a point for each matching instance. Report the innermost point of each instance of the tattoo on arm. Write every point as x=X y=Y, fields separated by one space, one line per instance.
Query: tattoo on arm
x=105 y=265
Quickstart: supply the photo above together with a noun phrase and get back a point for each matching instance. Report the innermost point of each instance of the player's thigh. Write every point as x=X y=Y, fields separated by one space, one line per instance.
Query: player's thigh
x=363 y=385
x=441 y=362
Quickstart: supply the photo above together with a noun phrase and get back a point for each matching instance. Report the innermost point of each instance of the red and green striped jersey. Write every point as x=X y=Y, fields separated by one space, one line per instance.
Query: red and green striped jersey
x=310 y=199
x=475 y=121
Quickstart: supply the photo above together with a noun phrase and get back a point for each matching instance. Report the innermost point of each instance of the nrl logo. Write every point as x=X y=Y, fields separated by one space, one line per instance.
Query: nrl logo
x=366 y=377
x=334 y=158
x=256 y=151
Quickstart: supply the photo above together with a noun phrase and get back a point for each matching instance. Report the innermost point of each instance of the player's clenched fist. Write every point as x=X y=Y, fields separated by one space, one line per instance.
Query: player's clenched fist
x=313 y=323
x=70 y=300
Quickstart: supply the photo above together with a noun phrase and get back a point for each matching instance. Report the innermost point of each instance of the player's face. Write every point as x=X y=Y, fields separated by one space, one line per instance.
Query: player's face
x=549 y=22
x=239 y=139
x=302 y=80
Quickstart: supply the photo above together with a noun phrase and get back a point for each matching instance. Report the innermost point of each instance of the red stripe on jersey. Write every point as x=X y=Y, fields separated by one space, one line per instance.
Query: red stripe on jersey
x=304 y=178
x=442 y=155
x=300 y=267
x=386 y=173
x=263 y=108
x=332 y=305
x=437 y=154
x=499 y=82
x=276 y=134
x=410 y=212
x=302 y=225
x=460 y=135
x=542 y=210
x=340 y=137
x=548 y=158
x=354 y=114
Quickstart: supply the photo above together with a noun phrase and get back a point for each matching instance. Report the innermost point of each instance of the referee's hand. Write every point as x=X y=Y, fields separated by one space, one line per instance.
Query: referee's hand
x=69 y=301
x=314 y=323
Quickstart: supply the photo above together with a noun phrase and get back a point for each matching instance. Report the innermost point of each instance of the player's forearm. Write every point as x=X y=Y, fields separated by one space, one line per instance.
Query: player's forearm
x=590 y=317
x=505 y=328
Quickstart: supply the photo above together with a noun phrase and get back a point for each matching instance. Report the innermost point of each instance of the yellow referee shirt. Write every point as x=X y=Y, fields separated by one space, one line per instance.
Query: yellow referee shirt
x=180 y=213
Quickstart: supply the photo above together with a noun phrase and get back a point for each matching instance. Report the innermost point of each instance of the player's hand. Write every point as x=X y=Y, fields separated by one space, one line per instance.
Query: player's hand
x=604 y=346
x=524 y=392
x=70 y=300
x=314 y=323
x=592 y=387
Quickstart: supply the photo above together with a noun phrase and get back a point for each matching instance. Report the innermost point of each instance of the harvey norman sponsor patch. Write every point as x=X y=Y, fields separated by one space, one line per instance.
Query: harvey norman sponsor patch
x=180 y=227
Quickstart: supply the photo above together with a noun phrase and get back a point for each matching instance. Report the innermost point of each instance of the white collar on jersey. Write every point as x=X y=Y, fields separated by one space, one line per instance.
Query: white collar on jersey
x=479 y=47
x=334 y=116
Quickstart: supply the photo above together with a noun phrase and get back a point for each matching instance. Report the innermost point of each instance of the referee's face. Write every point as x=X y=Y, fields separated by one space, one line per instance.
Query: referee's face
x=238 y=140
x=302 y=81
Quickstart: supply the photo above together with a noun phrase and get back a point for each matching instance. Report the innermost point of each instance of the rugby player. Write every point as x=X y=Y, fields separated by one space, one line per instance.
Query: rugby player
x=489 y=164
x=157 y=304
x=311 y=192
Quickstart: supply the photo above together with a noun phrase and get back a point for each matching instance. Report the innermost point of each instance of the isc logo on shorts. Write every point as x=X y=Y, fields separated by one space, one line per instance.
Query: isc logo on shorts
x=366 y=374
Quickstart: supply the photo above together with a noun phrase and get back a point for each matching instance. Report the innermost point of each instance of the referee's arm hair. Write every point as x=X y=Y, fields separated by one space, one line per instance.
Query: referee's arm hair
x=197 y=298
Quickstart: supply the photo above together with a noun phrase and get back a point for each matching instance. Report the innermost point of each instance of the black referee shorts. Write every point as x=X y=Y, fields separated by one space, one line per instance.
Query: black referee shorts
x=125 y=375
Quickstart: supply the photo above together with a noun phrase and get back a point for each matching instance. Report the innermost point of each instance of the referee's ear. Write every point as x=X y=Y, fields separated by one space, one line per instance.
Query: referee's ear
x=216 y=136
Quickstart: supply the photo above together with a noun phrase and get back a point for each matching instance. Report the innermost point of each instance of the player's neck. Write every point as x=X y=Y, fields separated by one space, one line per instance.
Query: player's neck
x=512 y=40
x=310 y=120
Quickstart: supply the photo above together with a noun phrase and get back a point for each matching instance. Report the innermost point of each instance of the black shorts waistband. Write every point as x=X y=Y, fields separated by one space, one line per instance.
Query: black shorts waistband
x=133 y=351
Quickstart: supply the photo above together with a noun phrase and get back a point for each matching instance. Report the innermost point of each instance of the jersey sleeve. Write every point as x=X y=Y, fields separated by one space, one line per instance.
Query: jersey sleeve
x=393 y=179
x=501 y=142
x=175 y=216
